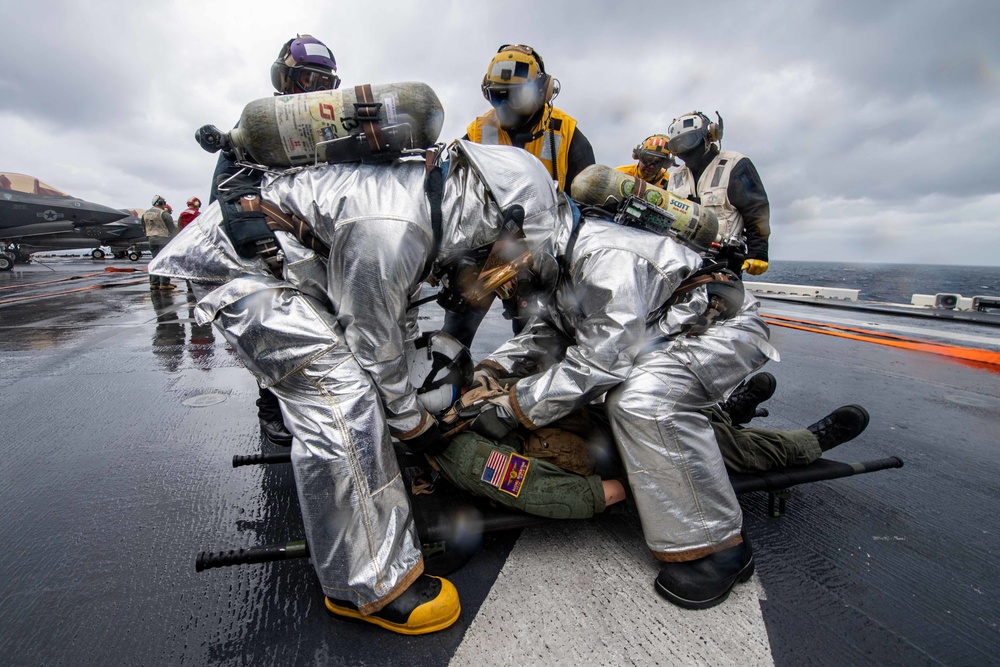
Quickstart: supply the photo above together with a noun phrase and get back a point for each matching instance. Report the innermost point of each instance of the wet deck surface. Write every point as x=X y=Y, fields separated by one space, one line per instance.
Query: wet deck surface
x=120 y=416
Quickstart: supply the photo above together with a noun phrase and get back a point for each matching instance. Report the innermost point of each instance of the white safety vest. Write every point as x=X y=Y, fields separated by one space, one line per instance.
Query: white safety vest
x=712 y=191
x=152 y=221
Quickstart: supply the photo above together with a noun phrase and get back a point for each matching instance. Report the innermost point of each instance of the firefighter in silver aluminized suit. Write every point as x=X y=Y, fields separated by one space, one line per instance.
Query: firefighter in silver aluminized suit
x=328 y=337
x=603 y=331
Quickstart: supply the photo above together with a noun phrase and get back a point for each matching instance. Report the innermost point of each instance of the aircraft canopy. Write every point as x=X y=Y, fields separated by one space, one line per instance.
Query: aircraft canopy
x=28 y=185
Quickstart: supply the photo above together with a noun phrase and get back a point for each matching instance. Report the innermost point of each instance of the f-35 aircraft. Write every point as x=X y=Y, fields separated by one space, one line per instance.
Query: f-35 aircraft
x=35 y=216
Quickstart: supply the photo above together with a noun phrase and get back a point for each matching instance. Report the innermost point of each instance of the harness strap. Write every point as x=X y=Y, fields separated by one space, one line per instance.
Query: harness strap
x=639 y=188
x=246 y=227
x=278 y=220
x=689 y=285
x=266 y=245
x=434 y=187
x=369 y=113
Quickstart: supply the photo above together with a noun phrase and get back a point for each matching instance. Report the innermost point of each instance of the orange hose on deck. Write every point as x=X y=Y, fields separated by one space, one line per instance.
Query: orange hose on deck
x=891 y=340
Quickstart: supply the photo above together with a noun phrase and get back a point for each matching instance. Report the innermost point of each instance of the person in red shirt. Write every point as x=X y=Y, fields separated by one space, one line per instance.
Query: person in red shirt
x=192 y=211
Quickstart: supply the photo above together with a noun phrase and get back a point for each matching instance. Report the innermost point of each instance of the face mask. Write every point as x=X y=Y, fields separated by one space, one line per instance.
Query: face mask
x=508 y=117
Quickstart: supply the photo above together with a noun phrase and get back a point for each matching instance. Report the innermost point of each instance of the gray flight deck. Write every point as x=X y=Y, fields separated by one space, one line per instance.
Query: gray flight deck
x=120 y=415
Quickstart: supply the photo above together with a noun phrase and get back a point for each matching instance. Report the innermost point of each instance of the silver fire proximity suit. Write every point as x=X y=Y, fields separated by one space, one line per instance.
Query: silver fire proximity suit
x=328 y=337
x=604 y=331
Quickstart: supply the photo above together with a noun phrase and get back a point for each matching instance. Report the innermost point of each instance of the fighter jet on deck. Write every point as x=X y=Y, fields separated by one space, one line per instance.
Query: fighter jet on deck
x=125 y=237
x=36 y=215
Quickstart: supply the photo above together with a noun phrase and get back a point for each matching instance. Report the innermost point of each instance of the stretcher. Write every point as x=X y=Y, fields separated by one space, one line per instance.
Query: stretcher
x=451 y=523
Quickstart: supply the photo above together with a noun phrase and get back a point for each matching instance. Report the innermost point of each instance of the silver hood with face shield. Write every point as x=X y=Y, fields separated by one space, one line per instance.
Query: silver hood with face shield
x=483 y=182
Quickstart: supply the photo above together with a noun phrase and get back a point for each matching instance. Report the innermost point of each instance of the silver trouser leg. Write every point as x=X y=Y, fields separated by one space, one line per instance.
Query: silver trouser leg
x=667 y=443
x=354 y=503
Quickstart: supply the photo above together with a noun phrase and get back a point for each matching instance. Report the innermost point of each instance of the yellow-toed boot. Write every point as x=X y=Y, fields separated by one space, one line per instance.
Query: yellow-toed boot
x=428 y=605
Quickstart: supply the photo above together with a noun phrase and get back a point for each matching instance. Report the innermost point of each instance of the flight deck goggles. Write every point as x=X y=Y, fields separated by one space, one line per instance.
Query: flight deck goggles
x=654 y=159
x=309 y=79
x=520 y=97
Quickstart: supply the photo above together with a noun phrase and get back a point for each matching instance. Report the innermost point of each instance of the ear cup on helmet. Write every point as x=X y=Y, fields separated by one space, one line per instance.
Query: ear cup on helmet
x=548 y=86
x=279 y=68
x=714 y=132
x=277 y=71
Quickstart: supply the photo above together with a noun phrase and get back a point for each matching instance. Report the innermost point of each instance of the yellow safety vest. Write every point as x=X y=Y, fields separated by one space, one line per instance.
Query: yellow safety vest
x=661 y=179
x=486 y=130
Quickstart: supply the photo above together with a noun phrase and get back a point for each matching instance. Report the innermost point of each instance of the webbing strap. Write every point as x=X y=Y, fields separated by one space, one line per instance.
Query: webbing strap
x=434 y=188
x=368 y=113
x=639 y=188
x=278 y=220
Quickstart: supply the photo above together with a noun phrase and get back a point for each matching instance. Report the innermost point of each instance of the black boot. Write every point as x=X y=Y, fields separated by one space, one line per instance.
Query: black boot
x=272 y=424
x=839 y=426
x=275 y=433
x=742 y=404
x=704 y=583
x=428 y=605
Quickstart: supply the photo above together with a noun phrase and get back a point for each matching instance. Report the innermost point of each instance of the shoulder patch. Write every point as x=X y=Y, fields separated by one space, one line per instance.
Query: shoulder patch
x=506 y=472
x=496 y=467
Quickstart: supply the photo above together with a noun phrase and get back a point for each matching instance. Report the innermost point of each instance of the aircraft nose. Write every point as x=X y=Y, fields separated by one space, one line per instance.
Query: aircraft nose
x=100 y=214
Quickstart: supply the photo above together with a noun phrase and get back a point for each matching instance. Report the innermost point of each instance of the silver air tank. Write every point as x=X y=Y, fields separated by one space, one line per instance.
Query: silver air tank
x=599 y=185
x=293 y=130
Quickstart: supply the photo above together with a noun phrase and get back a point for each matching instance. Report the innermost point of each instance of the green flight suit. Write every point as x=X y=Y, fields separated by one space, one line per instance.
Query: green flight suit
x=543 y=489
x=757 y=450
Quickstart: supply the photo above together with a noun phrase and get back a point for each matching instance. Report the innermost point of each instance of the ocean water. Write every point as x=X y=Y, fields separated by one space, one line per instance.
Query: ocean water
x=894 y=283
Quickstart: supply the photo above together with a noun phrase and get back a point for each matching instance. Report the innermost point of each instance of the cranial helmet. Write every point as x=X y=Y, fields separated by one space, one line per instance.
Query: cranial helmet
x=159 y=201
x=194 y=202
x=516 y=78
x=686 y=133
x=440 y=367
x=304 y=62
x=653 y=151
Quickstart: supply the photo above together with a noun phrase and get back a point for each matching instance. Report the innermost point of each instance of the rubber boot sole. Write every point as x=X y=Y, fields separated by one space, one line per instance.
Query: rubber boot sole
x=346 y=613
x=742 y=576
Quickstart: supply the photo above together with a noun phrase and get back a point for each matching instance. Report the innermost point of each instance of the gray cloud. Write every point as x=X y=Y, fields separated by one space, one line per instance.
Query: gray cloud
x=869 y=122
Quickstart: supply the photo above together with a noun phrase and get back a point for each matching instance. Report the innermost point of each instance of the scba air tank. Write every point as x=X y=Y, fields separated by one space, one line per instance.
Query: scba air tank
x=326 y=126
x=599 y=185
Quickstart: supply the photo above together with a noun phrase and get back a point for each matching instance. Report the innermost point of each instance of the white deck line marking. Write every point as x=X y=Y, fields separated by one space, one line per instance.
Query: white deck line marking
x=581 y=593
x=923 y=332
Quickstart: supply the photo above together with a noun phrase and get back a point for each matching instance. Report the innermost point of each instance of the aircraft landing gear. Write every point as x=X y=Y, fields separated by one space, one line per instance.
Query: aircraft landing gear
x=6 y=261
x=119 y=254
x=97 y=253
x=134 y=255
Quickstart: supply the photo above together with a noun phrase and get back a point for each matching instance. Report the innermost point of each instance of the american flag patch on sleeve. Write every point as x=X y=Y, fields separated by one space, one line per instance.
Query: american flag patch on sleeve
x=506 y=472
x=496 y=467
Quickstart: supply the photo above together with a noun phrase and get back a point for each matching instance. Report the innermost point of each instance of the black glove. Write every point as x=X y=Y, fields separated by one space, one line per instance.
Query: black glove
x=431 y=442
x=495 y=421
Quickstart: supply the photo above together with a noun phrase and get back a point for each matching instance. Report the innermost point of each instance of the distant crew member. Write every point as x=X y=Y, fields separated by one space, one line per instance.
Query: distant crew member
x=191 y=212
x=725 y=182
x=653 y=161
x=160 y=228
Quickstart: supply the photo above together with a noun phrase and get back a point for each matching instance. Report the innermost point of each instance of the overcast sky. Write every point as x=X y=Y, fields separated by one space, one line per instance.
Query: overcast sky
x=875 y=125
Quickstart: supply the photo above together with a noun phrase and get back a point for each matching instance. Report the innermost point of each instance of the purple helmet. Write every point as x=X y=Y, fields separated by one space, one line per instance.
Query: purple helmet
x=304 y=63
